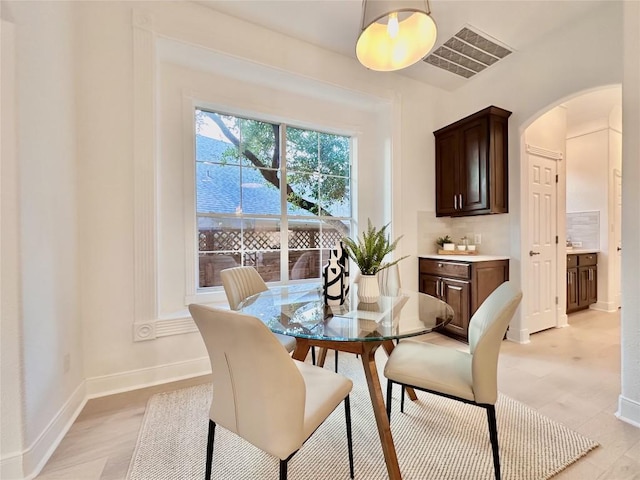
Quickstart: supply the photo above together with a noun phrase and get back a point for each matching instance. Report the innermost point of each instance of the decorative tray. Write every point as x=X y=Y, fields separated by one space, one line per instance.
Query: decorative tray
x=456 y=252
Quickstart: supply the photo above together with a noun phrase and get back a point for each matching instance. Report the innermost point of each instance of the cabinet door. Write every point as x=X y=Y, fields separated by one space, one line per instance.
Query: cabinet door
x=485 y=278
x=447 y=158
x=572 y=289
x=473 y=185
x=592 y=284
x=583 y=286
x=429 y=285
x=456 y=294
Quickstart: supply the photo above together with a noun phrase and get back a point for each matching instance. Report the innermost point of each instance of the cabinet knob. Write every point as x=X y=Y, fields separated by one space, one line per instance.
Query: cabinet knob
x=439 y=265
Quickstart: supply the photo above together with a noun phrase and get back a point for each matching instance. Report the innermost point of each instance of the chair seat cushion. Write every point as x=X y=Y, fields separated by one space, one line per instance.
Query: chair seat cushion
x=287 y=342
x=325 y=391
x=432 y=367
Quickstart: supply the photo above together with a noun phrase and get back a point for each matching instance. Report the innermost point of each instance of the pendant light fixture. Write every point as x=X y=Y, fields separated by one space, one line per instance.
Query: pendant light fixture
x=395 y=34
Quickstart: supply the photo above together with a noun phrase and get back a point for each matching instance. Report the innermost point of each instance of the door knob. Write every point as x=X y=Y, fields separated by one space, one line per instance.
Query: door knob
x=619 y=248
x=532 y=253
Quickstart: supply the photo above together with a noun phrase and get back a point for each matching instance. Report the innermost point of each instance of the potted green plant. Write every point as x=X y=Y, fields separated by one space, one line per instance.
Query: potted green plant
x=368 y=252
x=445 y=243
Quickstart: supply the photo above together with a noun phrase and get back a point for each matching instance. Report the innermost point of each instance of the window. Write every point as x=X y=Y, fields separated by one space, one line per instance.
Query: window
x=268 y=195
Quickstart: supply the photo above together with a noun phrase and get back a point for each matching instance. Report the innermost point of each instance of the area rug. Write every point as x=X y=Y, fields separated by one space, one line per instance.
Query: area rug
x=436 y=438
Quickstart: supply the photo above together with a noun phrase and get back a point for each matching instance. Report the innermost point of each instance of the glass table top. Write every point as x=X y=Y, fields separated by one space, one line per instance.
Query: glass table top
x=299 y=311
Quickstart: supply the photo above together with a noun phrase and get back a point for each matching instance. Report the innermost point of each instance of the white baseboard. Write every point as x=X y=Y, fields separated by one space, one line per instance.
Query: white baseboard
x=563 y=320
x=518 y=336
x=27 y=464
x=628 y=411
x=11 y=467
x=604 y=307
x=146 y=377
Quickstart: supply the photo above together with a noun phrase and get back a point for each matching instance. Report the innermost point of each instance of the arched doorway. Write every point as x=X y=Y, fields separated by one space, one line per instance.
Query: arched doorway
x=574 y=148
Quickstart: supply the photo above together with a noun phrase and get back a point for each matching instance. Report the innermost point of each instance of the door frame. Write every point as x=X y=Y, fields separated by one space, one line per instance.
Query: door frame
x=614 y=253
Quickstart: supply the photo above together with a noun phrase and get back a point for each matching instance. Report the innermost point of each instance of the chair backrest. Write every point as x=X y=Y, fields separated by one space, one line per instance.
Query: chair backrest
x=306 y=266
x=240 y=283
x=486 y=332
x=258 y=392
x=389 y=281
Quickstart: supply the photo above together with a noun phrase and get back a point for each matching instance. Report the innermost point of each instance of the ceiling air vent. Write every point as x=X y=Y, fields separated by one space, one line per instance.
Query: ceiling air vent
x=467 y=53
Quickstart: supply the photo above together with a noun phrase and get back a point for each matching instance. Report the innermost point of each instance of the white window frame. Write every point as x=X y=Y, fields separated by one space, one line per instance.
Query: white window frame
x=370 y=118
x=215 y=295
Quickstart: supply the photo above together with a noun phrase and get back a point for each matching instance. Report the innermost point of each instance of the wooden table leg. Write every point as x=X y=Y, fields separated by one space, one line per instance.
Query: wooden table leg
x=302 y=349
x=379 y=410
x=388 y=347
x=322 y=356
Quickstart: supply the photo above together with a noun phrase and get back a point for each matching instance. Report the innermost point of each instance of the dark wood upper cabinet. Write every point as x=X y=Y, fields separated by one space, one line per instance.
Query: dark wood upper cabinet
x=472 y=165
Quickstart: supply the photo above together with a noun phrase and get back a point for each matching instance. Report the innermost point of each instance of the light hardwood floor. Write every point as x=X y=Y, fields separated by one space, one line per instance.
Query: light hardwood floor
x=571 y=375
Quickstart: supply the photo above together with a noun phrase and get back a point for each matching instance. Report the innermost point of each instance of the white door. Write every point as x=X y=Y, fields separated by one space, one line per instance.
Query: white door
x=617 y=236
x=541 y=259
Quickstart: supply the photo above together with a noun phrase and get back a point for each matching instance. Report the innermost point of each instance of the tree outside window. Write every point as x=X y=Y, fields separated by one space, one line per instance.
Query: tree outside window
x=248 y=196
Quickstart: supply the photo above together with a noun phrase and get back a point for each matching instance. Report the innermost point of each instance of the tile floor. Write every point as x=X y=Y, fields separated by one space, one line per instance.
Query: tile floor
x=571 y=375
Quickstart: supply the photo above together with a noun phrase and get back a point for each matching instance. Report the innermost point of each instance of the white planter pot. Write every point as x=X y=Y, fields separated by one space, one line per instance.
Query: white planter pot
x=368 y=289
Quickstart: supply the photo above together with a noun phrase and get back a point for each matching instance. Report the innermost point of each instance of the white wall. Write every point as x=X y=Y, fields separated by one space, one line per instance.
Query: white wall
x=106 y=146
x=587 y=174
x=629 y=404
x=12 y=391
x=51 y=370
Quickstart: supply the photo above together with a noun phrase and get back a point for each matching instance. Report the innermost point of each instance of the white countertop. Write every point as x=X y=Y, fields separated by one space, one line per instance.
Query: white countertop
x=574 y=251
x=464 y=258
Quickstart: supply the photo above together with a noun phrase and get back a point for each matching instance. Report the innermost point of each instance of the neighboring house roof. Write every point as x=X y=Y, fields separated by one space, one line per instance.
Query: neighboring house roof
x=228 y=188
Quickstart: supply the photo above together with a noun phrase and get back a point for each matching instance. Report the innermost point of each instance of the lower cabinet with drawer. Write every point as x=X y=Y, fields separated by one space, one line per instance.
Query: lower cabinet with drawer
x=582 y=281
x=463 y=285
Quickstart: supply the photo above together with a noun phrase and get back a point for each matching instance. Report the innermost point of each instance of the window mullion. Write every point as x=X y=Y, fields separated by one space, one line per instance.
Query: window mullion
x=284 y=221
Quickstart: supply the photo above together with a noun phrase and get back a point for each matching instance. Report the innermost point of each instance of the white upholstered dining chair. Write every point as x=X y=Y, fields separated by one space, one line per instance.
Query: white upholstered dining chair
x=242 y=282
x=389 y=281
x=470 y=377
x=259 y=392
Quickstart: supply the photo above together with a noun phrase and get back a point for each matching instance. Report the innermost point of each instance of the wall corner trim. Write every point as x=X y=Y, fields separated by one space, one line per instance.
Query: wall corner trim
x=628 y=411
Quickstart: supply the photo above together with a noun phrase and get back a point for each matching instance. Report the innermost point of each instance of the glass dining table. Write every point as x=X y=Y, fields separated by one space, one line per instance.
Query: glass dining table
x=299 y=310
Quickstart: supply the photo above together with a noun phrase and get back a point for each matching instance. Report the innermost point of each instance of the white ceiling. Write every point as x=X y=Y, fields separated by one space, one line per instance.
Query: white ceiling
x=593 y=105
x=335 y=24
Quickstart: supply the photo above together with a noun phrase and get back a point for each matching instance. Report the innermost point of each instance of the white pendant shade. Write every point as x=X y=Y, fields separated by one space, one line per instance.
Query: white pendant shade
x=395 y=34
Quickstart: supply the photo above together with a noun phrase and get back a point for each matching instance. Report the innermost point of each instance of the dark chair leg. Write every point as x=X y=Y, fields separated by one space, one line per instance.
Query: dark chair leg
x=313 y=355
x=283 y=469
x=402 y=399
x=389 y=389
x=336 y=361
x=493 y=434
x=347 y=414
x=211 y=436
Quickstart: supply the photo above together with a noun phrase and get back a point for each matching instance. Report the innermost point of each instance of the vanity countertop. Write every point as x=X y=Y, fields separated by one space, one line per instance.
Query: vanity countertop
x=578 y=251
x=464 y=258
